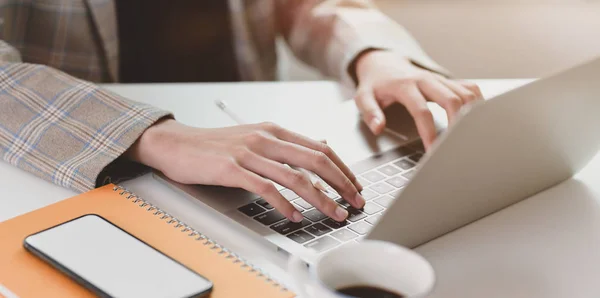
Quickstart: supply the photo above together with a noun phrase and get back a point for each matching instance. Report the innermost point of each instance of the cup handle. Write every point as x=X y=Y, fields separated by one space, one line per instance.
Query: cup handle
x=299 y=273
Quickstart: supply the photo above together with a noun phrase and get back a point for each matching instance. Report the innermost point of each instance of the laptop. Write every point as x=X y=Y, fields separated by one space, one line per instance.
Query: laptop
x=499 y=152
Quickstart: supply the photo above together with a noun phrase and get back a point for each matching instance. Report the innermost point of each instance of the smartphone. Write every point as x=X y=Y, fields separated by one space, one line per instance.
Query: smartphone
x=113 y=263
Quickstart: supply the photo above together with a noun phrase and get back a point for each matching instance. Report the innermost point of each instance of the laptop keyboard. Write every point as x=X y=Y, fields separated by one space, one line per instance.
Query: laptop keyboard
x=382 y=184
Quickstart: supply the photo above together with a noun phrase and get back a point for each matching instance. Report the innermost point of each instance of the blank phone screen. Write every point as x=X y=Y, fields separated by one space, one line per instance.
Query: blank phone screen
x=115 y=262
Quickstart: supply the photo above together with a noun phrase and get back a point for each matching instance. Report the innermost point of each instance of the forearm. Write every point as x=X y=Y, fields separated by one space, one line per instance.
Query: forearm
x=63 y=129
x=156 y=141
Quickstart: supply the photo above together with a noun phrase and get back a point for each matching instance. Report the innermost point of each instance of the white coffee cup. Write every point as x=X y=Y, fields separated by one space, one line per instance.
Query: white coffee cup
x=371 y=263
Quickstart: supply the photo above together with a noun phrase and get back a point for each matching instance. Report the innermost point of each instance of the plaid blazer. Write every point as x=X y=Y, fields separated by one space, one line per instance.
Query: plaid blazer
x=58 y=125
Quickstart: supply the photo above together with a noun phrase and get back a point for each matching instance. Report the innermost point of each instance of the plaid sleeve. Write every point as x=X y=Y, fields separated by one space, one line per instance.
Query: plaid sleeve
x=330 y=34
x=63 y=129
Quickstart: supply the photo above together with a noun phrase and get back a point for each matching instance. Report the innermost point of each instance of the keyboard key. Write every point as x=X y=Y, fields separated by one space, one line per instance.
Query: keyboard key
x=385 y=201
x=409 y=175
x=304 y=204
x=343 y=203
x=361 y=228
x=286 y=226
x=251 y=209
x=300 y=236
x=368 y=194
x=389 y=170
x=405 y=164
x=334 y=224
x=394 y=194
x=397 y=181
x=416 y=157
x=373 y=219
x=318 y=229
x=343 y=235
x=373 y=176
x=359 y=239
x=355 y=214
x=371 y=208
x=289 y=195
x=264 y=204
x=322 y=244
x=298 y=207
x=381 y=188
x=314 y=215
x=269 y=218
x=364 y=182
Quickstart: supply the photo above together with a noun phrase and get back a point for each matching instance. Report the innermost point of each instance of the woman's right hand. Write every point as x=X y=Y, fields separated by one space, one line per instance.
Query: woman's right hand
x=246 y=156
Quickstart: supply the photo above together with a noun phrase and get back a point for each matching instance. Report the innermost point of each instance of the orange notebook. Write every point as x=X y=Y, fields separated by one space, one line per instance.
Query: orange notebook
x=25 y=275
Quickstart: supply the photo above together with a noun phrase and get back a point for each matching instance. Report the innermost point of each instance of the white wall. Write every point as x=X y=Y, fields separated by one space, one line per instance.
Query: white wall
x=495 y=38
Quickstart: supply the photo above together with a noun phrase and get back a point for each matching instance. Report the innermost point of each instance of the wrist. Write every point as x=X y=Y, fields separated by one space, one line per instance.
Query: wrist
x=357 y=65
x=373 y=61
x=152 y=144
x=364 y=59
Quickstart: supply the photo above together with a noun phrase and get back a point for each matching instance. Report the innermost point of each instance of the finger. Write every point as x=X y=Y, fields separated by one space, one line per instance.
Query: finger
x=465 y=94
x=411 y=97
x=264 y=188
x=442 y=95
x=371 y=111
x=313 y=160
x=297 y=182
x=473 y=88
x=296 y=138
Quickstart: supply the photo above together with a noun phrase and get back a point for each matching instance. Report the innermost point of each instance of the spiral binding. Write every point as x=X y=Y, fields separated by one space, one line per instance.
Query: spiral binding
x=206 y=241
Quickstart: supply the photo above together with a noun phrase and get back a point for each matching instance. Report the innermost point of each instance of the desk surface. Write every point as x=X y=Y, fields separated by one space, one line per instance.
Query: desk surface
x=545 y=246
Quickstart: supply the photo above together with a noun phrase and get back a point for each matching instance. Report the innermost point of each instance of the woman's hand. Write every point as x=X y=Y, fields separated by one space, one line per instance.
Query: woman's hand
x=386 y=77
x=246 y=156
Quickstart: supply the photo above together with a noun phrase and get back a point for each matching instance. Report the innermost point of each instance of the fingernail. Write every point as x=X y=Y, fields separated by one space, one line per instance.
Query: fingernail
x=359 y=200
x=341 y=213
x=374 y=124
x=297 y=216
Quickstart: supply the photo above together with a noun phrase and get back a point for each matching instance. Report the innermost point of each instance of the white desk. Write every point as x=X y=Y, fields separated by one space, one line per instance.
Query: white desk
x=546 y=246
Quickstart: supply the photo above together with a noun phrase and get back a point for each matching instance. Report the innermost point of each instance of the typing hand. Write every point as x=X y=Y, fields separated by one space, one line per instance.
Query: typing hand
x=243 y=156
x=385 y=77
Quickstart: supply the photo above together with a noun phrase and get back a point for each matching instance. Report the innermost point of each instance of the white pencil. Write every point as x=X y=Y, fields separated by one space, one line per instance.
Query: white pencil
x=223 y=106
x=314 y=179
x=396 y=134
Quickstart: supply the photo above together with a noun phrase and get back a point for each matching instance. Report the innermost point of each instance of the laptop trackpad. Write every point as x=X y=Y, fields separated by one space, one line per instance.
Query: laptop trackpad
x=222 y=199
